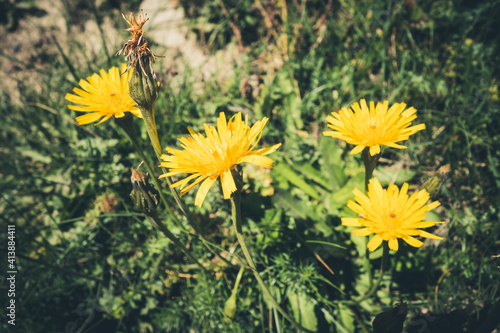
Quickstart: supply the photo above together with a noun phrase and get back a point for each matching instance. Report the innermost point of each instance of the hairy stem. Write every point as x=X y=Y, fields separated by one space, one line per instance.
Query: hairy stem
x=149 y=120
x=156 y=222
x=236 y=216
x=370 y=164
x=127 y=126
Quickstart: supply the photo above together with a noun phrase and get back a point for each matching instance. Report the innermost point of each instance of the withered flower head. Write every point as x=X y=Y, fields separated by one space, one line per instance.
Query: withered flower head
x=136 y=48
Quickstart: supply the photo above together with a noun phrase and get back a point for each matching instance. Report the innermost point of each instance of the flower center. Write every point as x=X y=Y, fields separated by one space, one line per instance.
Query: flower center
x=115 y=103
x=392 y=224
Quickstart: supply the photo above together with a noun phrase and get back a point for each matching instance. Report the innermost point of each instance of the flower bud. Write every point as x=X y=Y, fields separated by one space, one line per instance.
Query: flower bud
x=433 y=185
x=230 y=307
x=143 y=85
x=143 y=195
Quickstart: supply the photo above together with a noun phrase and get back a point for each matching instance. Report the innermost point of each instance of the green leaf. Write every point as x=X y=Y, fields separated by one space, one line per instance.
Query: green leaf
x=392 y=175
x=36 y=156
x=339 y=198
x=303 y=309
x=294 y=208
x=346 y=318
x=272 y=216
x=326 y=243
x=310 y=172
x=432 y=216
x=291 y=102
x=332 y=164
x=291 y=176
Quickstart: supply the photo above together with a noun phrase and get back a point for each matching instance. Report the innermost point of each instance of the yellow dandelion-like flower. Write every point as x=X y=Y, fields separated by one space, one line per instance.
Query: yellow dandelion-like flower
x=105 y=96
x=373 y=127
x=390 y=214
x=213 y=156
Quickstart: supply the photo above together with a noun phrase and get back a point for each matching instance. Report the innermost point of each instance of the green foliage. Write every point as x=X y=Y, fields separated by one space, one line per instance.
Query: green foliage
x=89 y=262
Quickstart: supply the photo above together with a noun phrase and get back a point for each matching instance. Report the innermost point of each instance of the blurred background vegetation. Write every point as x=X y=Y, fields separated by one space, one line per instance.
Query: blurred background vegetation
x=88 y=262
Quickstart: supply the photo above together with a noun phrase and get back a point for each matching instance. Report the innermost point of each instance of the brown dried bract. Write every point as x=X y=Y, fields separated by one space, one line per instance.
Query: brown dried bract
x=136 y=48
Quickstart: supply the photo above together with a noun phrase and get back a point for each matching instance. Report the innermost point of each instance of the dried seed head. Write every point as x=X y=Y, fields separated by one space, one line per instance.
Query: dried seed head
x=136 y=48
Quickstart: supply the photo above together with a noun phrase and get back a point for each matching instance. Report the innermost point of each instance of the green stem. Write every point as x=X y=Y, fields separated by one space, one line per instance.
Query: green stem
x=143 y=89
x=370 y=164
x=210 y=244
x=127 y=125
x=385 y=256
x=149 y=209
x=236 y=216
x=156 y=222
x=149 y=121
x=366 y=263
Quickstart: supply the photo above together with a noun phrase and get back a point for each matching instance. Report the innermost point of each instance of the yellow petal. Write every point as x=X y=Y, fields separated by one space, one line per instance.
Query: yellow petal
x=429 y=235
x=203 y=190
x=262 y=161
x=351 y=222
x=374 y=150
x=374 y=243
x=373 y=125
x=433 y=205
x=412 y=241
x=358 y=149
x=393 y=243
x=362 y=232
x=228 y=185
x=106 y=117
x=88 y=118
x=104 y=94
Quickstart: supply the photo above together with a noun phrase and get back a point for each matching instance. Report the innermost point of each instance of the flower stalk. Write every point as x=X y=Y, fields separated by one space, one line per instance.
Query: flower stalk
x=237 y=223
x=144 y=197
x=374 y=287
x=143 y=85
x=144 y=89
x=383 y=263
x=230 y=305
x=370 y=163
x=127 y=125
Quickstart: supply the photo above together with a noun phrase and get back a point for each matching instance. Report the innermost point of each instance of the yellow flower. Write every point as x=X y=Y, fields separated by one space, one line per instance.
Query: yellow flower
x=373 y=127
x=390 y=214
x=103 y=96
x=213 y=156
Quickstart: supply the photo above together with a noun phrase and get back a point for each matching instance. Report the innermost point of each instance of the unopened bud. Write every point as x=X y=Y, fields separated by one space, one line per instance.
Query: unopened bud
x=143 y=195
x=143 y=85
x=230 y=307
x=433 y=185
